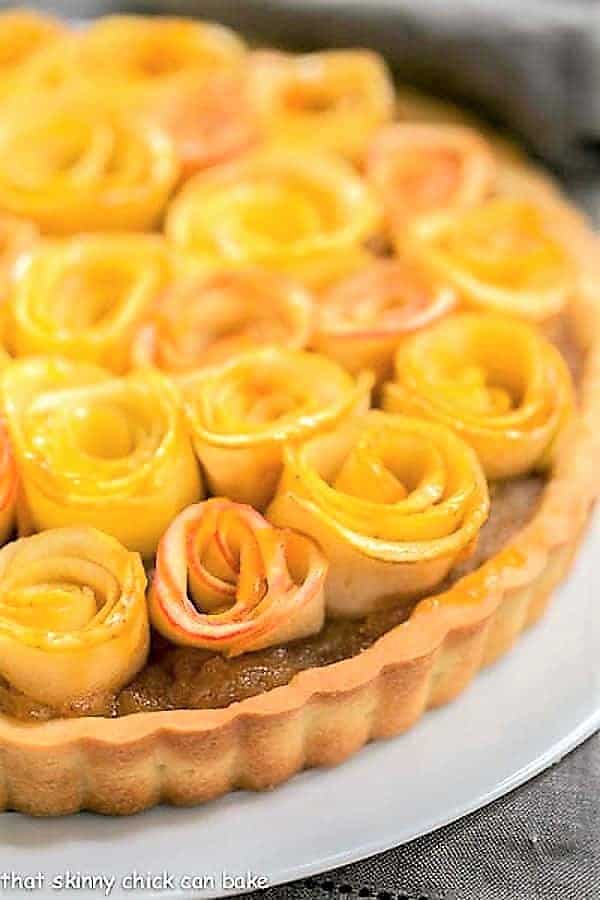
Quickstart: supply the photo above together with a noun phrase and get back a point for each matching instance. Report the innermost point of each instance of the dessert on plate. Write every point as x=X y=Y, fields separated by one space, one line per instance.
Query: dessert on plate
x=299 y=399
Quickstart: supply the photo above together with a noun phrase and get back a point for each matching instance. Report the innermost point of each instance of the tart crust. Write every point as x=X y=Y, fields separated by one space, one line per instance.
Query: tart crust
x=186 y=757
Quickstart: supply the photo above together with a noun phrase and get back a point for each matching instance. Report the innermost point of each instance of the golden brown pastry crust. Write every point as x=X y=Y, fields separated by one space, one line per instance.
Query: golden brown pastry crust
x=185 y=757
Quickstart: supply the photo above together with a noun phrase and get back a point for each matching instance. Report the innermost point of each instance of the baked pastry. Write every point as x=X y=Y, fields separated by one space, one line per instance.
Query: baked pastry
x=388 y=553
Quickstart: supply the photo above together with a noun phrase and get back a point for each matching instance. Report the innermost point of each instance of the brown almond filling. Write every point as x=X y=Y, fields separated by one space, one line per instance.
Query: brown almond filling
x=185 y=678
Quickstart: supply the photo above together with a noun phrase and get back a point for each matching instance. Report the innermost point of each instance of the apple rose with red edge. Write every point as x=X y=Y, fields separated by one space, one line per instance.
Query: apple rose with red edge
x=362 y=319
x=207 y=319
x=422 y=168
x=227 y=580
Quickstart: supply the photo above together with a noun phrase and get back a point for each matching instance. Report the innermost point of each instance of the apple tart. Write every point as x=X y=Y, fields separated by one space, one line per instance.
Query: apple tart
x=299 y=406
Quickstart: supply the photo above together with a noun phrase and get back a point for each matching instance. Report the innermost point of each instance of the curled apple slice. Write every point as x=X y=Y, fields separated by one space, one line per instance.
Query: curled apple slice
x=394 y=502
x=362 y=319
x=77 y=164
x=17 y=237
x=73 y=619
x=210 y=122
x=24 y=35
x=134 y=57
x=243 y=412
x=250 y=585
x=307 y=215
x=208 y=319
x=9 y=485
x=332 y=100
x=84 y=297
x=501 y=257
x=422 y=168
x=98 y=450
x=494 y=380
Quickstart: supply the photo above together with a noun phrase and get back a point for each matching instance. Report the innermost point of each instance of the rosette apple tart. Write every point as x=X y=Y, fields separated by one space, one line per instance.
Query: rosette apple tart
x=299 y=409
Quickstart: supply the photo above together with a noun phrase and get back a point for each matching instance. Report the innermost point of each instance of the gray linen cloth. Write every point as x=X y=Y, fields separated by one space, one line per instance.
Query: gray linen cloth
x=541 y=842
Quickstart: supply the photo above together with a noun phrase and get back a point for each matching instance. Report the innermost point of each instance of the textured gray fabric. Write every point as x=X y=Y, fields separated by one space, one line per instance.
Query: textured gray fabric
x=541 y=842
x=532 y=65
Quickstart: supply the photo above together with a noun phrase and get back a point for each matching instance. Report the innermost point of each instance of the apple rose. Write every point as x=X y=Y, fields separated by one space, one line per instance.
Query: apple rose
x=97 y=450
x=210 y=318
x=139 y=56
x=394 y=502
x=500 y=256
x=362 y=319
x=421 y=168
x=73 y=619
x=306 y=215
x=494 y=380
x=251 y=585
x=208 y=122
x=85 y=297
x=77 y=165
x=332 y=100
x=24 y=34
x=242 y=412
x=17 y=236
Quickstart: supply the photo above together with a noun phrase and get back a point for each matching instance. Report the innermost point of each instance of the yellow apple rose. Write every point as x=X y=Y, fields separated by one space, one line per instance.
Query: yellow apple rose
x=394 y=503
x=98 y=450
x=76 y=164
x=494 y=380
x=333 y=100
x=73 y=619
x=243 y=412
x=85 y=297
x=500 y=257
x=307 y=215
